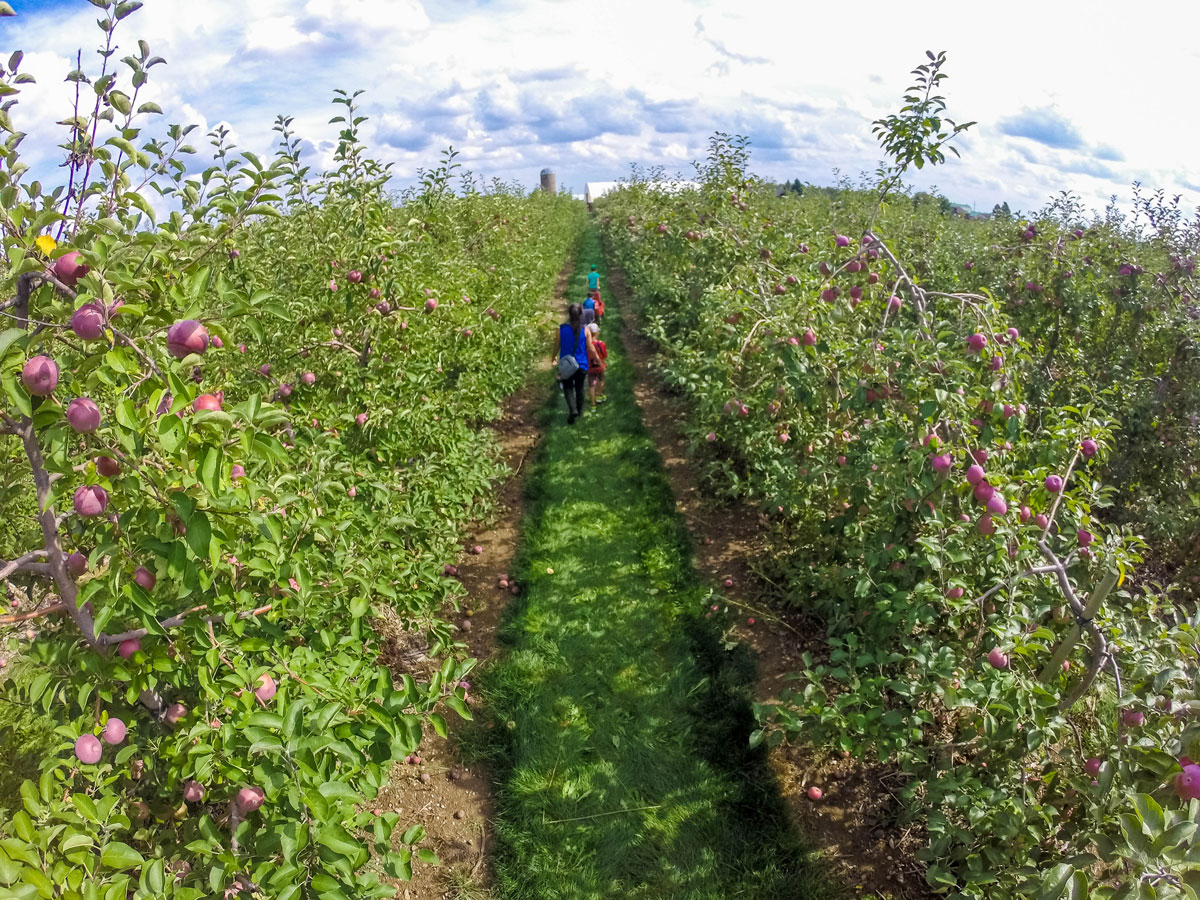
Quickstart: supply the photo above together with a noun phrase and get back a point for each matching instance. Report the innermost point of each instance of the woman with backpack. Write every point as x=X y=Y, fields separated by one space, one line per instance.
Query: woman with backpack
x=573 y=348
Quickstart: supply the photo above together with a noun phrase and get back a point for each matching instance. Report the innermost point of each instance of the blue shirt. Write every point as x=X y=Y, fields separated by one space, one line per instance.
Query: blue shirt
x=566 y=337
x=593 y=281
x=589 y=303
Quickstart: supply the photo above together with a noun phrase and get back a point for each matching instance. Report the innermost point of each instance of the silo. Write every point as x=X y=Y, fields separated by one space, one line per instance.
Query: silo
x=549 y=182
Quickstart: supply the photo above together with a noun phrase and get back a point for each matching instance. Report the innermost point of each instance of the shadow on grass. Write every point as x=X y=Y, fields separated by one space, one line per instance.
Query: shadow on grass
x=620 y=739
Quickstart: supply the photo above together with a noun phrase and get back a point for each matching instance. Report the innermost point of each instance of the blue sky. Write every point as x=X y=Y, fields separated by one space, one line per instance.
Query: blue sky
x=1063 y=101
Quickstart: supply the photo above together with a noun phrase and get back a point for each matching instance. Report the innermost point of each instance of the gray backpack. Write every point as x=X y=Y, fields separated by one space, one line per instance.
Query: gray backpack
x=568 y=365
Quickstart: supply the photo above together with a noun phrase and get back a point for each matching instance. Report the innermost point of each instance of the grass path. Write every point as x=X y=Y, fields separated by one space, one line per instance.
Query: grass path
x=620 y=745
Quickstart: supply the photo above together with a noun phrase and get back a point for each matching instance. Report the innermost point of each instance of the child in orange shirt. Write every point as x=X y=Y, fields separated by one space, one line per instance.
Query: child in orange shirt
x=597 y=363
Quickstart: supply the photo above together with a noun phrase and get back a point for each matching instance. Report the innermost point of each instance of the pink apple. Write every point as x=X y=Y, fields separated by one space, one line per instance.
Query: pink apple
x=193 y=791
x=187 y=337
x=90 y=500
x=77 y=565
x=88 y=749
x=69 y=268
x=114 y=731
x=88 y=322
x=249 y=799
x=40 y=376
x=1054 y=484
x=145 y=578
x=1187 y=783
x=209 y=402
x=128 y=647
x=266 y=687
x=83 y=415
x=997 y=658
x=1088 y=447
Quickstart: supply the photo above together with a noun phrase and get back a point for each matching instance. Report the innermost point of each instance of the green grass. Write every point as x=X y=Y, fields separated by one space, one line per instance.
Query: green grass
x=620 y=739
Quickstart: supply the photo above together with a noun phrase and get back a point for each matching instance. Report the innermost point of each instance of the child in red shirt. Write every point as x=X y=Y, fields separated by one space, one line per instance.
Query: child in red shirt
x=599 y=305
x=597 y=363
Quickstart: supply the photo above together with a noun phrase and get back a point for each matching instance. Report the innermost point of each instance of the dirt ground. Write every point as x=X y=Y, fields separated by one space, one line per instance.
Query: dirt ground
x=853 y=825
x=450 y=798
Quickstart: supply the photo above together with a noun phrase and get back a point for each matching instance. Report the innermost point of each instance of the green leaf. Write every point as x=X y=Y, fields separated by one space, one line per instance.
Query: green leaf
x=199 y=534
x=1055 y=882
x=75 y=841
x=86 y=807
x=1150 y=812
x=120 y=102
x=117 y=855
x=127 y=8
x=210 y=465
x=8 y=337
x=340 y=841
x=6 y=10
x=171 y=432
x=456 y=704
x=18 y=396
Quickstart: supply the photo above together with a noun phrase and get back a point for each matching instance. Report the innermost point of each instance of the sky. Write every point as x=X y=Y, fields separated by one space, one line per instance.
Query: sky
x=1066 y=97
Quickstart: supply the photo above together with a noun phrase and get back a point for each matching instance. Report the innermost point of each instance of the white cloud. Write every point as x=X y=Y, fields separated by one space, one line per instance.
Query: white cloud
x=278 y=34
x=589 y=88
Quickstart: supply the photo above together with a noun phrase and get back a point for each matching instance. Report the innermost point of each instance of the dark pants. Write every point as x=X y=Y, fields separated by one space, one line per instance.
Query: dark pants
x=573 y=391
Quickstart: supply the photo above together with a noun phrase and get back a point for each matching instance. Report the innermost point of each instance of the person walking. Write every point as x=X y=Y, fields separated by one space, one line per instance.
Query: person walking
x=589 y=311
x=593 y=280
x=597 y=363
x=572 y=351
